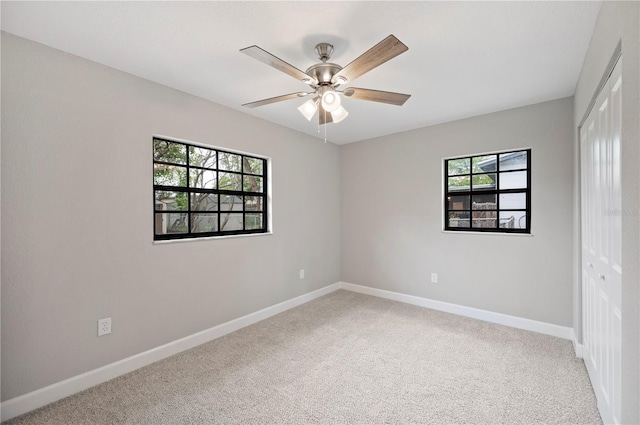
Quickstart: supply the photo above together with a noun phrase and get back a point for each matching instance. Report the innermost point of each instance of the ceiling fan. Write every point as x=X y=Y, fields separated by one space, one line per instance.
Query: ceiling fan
x=325 y=77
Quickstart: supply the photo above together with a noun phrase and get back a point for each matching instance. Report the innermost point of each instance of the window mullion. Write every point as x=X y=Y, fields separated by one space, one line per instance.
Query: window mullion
x=189 y=228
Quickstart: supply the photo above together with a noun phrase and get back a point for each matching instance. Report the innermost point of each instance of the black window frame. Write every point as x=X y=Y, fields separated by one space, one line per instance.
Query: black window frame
x=495 y=191
x=190 y=190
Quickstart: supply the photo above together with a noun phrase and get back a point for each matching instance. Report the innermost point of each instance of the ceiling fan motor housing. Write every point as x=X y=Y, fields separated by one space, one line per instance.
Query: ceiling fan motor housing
x=323 y=72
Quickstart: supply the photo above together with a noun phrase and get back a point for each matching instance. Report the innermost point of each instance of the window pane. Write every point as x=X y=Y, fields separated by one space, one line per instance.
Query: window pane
x=202 y=179
x=201 y=157
x=169 y=223
x=484 y=202
x=204 y=202
x=230 y=203
x=513 y=161
x=513 y=219
x=170 y=201
x=513 y=180
x=488 y=191
x=484 y=181
x=229 y=181
x=253 y=221
x=484 y=219
x=204 y=223
x=200 y=191
x=513 y=201
x=253 y=165
x=458 y=202
x=252 y=184
x=458 y=183
x=458 y=166
x=228 y=161
x=169 y=175
x=253 y=203
x=175 y=153
x=484 y=164
x=458 y=219
x=231 y=221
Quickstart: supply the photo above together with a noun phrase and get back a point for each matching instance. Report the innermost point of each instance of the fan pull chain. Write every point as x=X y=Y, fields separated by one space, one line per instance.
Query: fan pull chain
x=325 y=125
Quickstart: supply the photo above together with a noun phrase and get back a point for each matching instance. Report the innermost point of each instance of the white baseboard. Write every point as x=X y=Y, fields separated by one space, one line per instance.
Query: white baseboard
x=25 y=403
x=487 y=316
x=577 y=347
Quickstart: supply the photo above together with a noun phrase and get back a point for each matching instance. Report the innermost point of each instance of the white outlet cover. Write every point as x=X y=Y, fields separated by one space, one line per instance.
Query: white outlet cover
x=104 y=326
x=301 y=273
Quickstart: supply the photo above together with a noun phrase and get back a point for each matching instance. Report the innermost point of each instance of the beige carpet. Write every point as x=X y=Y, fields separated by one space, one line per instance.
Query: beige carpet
x=348 y=358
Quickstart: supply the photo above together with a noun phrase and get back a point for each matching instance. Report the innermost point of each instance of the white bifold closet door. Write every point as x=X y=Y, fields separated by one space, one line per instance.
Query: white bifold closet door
x=601 y=245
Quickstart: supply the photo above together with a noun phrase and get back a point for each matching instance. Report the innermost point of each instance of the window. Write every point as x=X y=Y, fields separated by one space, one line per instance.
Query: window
x=202 y=191
x=488 y=192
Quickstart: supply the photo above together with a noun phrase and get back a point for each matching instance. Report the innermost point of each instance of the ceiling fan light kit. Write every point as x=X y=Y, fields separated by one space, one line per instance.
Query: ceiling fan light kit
x=325 y=77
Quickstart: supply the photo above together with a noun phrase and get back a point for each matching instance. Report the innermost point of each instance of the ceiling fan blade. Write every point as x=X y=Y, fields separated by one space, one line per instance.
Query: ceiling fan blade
x=387 y=49
x=276 y=99
x=324 y=116
x=391 y=98
x=271 y=60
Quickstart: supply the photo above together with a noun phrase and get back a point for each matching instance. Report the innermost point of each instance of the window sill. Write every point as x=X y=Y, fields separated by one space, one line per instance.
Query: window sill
x=211 y=238
x=488 y=233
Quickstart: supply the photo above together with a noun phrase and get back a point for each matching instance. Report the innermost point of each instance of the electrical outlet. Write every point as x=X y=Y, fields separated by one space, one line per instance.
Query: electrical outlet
x=301 y=273
x=104 y=326
x=434 y=277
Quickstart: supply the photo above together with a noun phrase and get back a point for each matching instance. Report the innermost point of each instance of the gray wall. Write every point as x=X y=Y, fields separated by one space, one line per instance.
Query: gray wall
x=77 y=222
x=392 y=216
x=619 y=22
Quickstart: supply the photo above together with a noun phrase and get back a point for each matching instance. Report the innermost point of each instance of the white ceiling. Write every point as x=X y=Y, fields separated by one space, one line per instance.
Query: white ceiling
x=464 y=58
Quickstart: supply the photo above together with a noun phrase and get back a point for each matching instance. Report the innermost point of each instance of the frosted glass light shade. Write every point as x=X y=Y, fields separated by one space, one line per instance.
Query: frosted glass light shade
x=339 y=114
x=330 y=100
x=308 y=109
